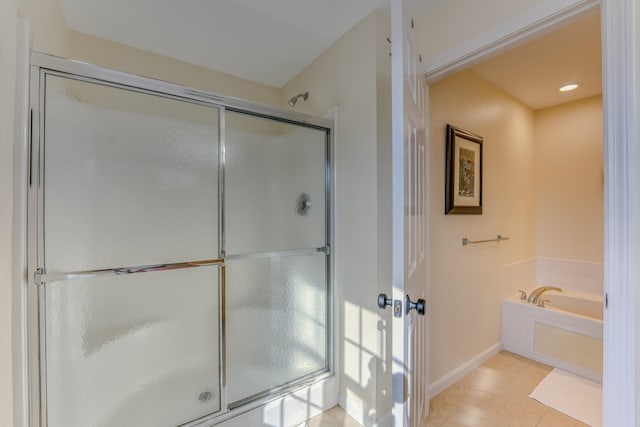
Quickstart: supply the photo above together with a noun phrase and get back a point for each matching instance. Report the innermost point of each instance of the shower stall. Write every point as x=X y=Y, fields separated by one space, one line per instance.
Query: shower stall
x=179 y=251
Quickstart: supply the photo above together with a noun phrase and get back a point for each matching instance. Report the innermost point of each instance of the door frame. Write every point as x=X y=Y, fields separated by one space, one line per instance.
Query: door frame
x=621 y=99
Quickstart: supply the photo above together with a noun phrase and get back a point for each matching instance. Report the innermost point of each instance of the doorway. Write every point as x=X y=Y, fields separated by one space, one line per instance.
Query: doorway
x=618 y=22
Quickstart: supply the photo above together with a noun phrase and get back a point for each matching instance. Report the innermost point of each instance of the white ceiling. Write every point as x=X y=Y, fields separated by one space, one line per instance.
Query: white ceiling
x=268 y=41
x=533 y=72
x=271 y=41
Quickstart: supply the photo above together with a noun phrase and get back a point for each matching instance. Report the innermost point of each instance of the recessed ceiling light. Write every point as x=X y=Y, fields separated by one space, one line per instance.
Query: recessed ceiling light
x=569 y=87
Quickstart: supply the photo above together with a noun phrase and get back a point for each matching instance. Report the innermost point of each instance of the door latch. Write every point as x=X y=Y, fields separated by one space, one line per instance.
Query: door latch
x=397 y=308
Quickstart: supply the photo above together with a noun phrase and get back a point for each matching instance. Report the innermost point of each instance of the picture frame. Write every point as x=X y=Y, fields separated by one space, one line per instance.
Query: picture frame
x=463 y=175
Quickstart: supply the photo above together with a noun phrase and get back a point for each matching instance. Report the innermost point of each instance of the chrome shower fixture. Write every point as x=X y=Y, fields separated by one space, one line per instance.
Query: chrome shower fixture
x=303 y=204
x=294 y=99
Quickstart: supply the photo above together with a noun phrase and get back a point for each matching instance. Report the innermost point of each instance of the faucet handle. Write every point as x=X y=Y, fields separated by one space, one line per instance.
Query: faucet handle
x=523 y=294
x=541 y=302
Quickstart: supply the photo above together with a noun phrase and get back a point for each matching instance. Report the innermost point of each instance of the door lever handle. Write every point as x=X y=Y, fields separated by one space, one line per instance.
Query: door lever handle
x=383 y=301
x=418 y=306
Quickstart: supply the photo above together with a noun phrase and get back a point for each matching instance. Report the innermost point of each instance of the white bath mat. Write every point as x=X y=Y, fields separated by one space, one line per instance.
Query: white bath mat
x=575 y=396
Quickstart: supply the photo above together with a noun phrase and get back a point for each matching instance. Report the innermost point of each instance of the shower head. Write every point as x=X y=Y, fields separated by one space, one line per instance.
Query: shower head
x=294 y=99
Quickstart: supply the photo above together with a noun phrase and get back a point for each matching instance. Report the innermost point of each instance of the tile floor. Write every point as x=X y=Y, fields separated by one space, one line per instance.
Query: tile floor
x=496 y=394
x=334 y=417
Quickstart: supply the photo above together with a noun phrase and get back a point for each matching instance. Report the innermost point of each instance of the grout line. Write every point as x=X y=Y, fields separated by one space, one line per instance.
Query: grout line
x=543 y=415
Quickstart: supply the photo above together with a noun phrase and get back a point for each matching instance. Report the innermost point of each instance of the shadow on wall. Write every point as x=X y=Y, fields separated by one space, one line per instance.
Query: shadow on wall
x=277 y=414
x=366 y=361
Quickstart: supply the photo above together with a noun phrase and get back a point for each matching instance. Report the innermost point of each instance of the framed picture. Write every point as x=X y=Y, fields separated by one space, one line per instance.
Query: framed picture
x=463 y=181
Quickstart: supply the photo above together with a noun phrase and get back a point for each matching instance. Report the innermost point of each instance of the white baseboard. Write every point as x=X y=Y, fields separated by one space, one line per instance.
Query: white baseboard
x=356 y=411
x=385 y=421
x=462 y=370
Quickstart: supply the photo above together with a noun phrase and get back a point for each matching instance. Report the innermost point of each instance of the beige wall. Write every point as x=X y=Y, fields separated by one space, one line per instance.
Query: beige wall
x=342 y=76
x=48 y=30
x=8 y=31
x=51 y=35
x=454 y=22
x=109 y=54
x=466 y=280
x=570 y=181
x=383 y=121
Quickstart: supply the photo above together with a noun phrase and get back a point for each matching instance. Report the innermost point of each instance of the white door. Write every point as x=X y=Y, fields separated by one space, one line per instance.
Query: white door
x=409 y=154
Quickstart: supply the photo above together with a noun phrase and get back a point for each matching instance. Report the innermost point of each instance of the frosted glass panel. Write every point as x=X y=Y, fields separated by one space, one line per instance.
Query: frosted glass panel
x=133 y=350
x=269 y=165
x=276 y=322
x=130 y=178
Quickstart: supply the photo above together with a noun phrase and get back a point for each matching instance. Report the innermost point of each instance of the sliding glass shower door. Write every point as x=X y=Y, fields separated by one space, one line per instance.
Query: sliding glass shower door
x=179 y=249
x=130 y=182
x=275 y=237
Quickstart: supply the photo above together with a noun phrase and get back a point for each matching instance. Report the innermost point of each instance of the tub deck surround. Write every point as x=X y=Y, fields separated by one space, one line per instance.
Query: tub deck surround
x=566 y=333
x=581 y=304
x=571 y=275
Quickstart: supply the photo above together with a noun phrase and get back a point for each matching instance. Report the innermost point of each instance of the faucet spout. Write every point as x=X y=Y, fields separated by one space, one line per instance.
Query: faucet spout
x=537 y=293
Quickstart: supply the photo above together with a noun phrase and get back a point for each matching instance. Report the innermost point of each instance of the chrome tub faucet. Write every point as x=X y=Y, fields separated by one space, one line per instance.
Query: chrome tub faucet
x=537 y=293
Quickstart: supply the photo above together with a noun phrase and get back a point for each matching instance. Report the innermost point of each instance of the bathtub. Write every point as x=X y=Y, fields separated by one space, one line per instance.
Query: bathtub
x=566 y=333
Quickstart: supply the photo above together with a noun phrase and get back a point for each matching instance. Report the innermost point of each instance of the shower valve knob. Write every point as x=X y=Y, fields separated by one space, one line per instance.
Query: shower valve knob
x=303 y=204
x=383 y=301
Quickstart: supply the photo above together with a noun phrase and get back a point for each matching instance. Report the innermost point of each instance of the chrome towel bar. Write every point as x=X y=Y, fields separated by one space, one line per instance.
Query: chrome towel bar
x=498 y=238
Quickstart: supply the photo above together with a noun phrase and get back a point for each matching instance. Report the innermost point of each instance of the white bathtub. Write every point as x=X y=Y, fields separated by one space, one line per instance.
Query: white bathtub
x=566 y=333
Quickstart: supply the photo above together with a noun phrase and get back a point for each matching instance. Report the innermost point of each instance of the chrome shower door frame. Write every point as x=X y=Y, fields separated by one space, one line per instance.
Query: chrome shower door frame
x=43 y=65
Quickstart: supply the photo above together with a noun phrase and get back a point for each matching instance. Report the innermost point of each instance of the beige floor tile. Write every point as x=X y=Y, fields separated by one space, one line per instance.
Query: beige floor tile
x=468 y=418
x=454 y=399
x=506 y=377
x=334 y=417
x=498 y=411
x=554 y=418
x=496 y=394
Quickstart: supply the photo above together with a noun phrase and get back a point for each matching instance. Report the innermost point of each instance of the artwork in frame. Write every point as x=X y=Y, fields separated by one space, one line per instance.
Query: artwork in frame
x=463 y=181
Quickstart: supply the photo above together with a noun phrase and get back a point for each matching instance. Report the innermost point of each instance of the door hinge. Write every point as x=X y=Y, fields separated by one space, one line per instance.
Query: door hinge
x=37 y=276
x=606 y=301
